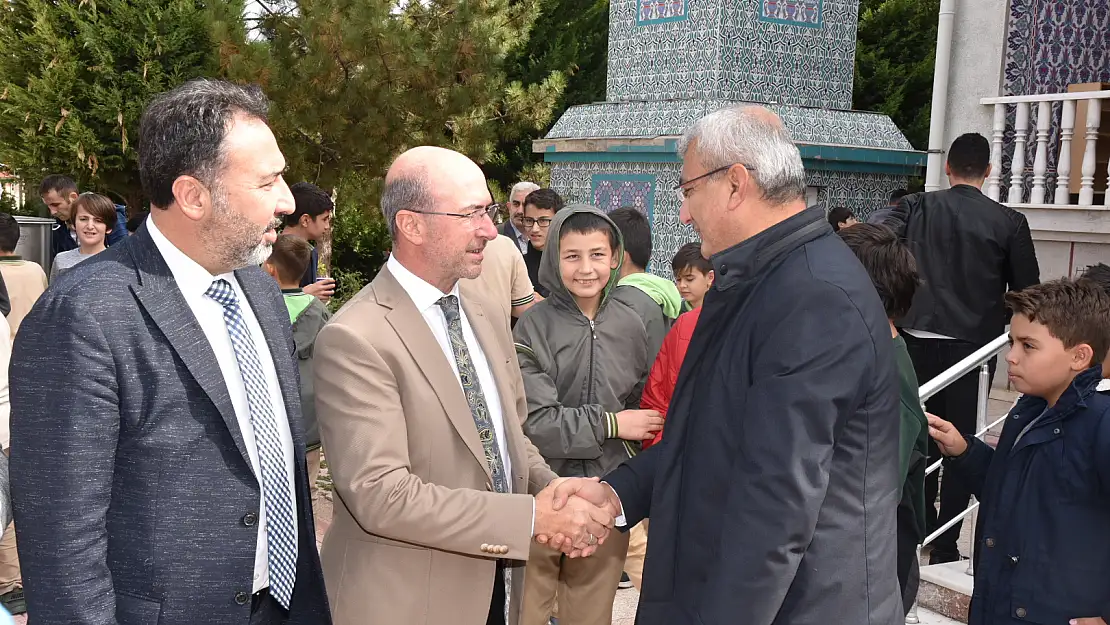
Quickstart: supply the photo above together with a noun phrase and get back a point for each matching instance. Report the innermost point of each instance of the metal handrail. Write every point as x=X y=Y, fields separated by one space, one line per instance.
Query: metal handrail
x=979 y=359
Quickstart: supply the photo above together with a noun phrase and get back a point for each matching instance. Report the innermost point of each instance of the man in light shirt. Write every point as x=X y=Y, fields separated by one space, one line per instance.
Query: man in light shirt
x=514 y=227
x=158 y=470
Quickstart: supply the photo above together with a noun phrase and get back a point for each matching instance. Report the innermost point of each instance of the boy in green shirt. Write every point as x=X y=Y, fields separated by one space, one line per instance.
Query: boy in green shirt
x=893 y=270
x=287 y=263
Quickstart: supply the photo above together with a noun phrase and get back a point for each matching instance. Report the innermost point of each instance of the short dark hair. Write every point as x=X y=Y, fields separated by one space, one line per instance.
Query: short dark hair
x=9 y=232
x=636 y=232
x=136 y=222
x=310 y=200
x=969 y=156
x=182 y=132
x=584 y=223
x=838 y=214
x=98 y=206
x=1099 y=273
x=689 y=257
x=57 y=182
x=1074 y=311
x=290 y=257
x=896 y=195
x=888 y=262
x=545 y=198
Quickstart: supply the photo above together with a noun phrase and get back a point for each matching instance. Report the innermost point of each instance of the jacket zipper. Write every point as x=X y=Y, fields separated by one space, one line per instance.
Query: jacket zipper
x=590 y=377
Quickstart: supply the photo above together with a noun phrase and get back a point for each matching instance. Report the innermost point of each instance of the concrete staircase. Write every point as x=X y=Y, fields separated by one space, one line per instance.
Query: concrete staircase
x=946 y=590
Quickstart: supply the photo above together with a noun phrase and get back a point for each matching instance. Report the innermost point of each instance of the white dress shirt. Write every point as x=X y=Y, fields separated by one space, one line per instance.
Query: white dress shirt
x=426 y=298
x=193 y=281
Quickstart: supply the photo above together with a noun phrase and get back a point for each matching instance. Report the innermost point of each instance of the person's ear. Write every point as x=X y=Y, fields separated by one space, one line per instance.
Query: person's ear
x=305 y=221
x=191 y=197
x=270 y=269
x=1082 y=356
x=987 y=172
x=710 y=276
x=411 y=226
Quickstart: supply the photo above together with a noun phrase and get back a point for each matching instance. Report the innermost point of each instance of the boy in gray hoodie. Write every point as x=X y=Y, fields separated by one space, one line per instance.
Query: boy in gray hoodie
x=584 y=359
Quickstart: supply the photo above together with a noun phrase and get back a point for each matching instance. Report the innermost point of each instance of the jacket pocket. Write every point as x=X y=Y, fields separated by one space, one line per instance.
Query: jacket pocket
x=136 y=610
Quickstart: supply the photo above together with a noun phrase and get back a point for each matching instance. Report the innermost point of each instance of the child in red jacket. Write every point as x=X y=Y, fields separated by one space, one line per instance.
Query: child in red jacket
x=694 y=276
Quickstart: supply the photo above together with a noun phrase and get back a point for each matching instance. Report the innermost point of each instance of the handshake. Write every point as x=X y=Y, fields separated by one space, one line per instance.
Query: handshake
x=575 y=515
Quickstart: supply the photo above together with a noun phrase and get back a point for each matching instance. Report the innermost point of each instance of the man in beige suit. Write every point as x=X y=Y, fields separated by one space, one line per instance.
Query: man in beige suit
x=419 y=401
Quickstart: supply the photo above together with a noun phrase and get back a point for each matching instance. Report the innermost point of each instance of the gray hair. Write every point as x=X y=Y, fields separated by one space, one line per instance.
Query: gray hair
x=752 y=136
x=525 y=186
x=182 y=133
x=404 y=193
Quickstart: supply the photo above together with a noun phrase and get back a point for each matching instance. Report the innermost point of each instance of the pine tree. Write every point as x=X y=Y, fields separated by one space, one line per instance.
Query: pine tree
x=76 y=75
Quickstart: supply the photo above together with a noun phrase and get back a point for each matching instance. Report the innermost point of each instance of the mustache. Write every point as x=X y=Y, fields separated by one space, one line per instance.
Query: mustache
x=275 y=223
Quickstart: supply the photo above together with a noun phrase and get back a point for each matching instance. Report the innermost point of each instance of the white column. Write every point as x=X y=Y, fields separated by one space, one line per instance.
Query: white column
x=1040 y=161
x=935 y=167
x=1063 y=164
x=994 y=181
x=1017 y=168
x=1087 y=182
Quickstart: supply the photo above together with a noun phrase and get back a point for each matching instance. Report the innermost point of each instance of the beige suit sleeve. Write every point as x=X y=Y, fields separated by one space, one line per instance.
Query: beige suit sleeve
x=363 y=427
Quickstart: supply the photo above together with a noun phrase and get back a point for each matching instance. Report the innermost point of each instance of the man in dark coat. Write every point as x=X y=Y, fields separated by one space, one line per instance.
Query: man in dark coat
x=158 y=465
x=970 y=251
x=773 y=494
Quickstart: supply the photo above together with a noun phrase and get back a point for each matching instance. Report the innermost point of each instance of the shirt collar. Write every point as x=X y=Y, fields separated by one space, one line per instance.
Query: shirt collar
x=424 y=295
x=191 y=278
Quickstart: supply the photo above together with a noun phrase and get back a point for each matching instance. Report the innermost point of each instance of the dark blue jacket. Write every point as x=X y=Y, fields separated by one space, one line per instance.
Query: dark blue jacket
x=1043 y=537
x=772 y=496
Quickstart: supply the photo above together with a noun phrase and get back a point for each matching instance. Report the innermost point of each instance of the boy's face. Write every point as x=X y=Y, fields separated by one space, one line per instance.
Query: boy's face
x=585 y=263
x=536 y=221
x=317 y=227
x=1040 y=365
x=693 y=285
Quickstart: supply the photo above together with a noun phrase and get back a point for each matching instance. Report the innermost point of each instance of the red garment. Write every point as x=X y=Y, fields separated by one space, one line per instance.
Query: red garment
x=664 y=373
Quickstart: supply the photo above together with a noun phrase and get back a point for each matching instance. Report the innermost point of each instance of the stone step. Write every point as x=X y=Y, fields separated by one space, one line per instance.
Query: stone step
x=928 y=617
x=946 y=590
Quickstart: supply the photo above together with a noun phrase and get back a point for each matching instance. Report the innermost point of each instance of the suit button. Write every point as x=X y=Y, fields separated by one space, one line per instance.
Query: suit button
x=1013 y=560
x=504 y=549
x=1020 y=612
x=989 y=542
x=249 y=519
x=484 y=548
x=242 y=598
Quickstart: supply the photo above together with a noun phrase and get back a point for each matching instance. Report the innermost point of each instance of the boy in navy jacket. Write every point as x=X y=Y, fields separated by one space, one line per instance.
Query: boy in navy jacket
x=1042 y=542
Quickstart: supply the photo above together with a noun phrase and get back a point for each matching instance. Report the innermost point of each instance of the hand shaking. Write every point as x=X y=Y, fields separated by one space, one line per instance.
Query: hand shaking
x=572 y=497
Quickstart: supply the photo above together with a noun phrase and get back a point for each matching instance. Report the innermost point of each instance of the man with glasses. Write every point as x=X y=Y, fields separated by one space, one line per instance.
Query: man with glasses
x=514 y=227
x=419 y=402
x=773 y=494
x=540 y=207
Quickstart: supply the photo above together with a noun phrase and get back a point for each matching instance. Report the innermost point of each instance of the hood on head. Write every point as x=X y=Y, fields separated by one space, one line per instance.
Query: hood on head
x=550 y=275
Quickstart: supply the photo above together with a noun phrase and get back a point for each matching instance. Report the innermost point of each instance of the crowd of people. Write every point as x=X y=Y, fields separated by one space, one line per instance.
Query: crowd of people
x=518 y=420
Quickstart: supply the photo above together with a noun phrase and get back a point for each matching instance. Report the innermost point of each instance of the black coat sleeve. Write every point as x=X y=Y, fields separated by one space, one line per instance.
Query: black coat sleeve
x=64 y=440
x=5 y=301
x=807 y=384
x=633 y=482
x=1022 y=268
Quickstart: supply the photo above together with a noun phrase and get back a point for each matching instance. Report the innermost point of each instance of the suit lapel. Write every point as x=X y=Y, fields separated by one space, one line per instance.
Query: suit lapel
x=421 y=344
x=159 y=296
x=260 y=289
x=495 y=351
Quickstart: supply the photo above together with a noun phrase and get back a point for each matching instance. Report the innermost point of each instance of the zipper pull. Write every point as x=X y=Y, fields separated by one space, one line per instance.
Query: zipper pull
x=593 y=331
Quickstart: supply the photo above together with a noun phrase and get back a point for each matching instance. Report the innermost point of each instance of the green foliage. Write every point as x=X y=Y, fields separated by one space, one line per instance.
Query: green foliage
x=75 y=77
x=356 y=82
x=896 y=46
x=360 y=240
x=570 y=37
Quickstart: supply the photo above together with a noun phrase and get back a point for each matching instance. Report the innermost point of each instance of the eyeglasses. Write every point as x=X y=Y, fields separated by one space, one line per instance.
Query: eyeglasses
x=682 y=189
x=542 y=222
x=475 y=216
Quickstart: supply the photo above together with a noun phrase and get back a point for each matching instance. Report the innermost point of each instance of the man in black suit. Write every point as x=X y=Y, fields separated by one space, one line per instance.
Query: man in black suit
x=514 y=226
x=160 y=471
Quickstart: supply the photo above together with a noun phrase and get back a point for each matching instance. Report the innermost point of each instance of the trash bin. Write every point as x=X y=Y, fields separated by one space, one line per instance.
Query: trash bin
x=35 y=239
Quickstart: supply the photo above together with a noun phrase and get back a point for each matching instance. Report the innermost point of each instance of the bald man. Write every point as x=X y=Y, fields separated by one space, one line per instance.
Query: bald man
x=420 y=400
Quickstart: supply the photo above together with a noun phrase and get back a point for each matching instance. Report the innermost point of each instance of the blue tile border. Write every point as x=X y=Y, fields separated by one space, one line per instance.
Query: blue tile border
x=663 y=20
x=774 y=20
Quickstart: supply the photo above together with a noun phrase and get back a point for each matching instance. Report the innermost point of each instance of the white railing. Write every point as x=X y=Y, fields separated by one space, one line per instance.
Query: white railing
x=1047 y=158
x=977 y=360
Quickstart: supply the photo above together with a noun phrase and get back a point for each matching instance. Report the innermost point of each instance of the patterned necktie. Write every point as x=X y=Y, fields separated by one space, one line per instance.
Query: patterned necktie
x=281 y=532
x=472 y=388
